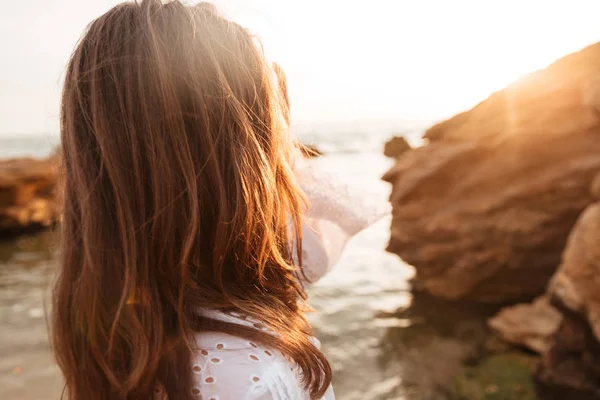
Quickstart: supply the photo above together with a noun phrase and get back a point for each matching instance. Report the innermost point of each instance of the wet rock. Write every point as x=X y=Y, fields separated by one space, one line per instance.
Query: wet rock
x=495 y=345
x=528 y=325
x=571 y=369
x=484 y=210
x=395 y=147
x=27 y=198
x=501 y=376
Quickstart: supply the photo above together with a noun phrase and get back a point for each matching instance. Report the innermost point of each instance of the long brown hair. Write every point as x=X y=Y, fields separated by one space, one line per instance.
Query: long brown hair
x=178 y=195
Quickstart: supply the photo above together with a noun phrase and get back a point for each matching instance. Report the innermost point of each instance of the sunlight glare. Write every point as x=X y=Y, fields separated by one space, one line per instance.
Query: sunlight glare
x=395 y=57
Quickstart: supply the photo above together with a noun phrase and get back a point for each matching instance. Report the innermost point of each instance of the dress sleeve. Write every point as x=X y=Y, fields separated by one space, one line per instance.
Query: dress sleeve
x=336 y=212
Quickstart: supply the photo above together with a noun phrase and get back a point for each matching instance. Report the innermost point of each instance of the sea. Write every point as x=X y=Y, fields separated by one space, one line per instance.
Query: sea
x=354 y=305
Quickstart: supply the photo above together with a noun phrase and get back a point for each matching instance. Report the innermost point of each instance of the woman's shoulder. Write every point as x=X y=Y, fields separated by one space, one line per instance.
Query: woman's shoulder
x=229 y=367
x=226 y=366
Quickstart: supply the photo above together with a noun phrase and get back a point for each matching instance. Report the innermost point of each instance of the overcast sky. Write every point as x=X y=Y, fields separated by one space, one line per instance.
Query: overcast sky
x=345 y=59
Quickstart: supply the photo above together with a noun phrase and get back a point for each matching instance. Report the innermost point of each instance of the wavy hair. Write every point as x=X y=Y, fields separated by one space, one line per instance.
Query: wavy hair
x=178 y=195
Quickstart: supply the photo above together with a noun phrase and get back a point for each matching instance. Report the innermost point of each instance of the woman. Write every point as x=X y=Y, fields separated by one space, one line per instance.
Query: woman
x=185 y=246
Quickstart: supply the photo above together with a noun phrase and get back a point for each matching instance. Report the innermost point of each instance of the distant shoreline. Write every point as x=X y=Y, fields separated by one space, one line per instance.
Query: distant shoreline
x=330 y=137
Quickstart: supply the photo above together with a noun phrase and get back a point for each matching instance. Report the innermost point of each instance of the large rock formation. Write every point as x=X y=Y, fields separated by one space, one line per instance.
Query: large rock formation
x=571 y=369
x=484 y=210
x=27 y=198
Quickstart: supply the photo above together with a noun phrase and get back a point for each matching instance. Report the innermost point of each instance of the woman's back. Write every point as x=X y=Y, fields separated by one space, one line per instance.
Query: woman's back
x=230 y=367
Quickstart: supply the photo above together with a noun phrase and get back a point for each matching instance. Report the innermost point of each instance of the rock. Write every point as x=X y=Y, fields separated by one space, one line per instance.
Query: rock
x=27 y=198
x=595 y=188
x=571 y=368
x=528 y=325
x=484 y=210
x=500 y=376
x=396 y=146
x=576 y=284
x=495 y=345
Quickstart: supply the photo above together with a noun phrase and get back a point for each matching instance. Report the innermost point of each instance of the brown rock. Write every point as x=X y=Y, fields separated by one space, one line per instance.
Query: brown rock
x=27 y=194
x=595 y=188
x=572 y=366
x=395 y=147
x=570 y=369
x=576 y=284
x=484 y=210
x=528 y=325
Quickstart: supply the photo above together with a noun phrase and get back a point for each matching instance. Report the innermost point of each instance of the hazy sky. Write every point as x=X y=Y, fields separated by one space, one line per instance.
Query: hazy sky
x=345 y=59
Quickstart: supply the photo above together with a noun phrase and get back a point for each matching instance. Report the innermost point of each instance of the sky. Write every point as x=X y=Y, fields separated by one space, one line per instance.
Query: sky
x=345 y=59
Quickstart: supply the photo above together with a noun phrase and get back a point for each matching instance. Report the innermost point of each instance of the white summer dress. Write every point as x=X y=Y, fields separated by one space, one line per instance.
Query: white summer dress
x=227 y=367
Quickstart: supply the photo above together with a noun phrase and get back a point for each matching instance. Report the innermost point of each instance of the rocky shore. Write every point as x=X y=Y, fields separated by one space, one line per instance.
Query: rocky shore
x=27 y=194
x=501 y=207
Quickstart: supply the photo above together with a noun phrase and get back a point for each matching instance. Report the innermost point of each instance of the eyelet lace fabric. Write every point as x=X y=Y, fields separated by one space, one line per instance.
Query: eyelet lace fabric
x=336 y=212
x=227 y=367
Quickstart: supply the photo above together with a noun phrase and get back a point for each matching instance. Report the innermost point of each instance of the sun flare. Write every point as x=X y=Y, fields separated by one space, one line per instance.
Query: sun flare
x=399 y=58
x=345 y=59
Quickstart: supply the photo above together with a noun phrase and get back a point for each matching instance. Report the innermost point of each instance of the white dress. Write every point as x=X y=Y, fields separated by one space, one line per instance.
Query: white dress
x=227 y=367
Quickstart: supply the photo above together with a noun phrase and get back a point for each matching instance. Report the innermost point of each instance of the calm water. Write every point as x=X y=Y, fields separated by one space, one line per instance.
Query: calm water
x=331 y=138
x=376 y=351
